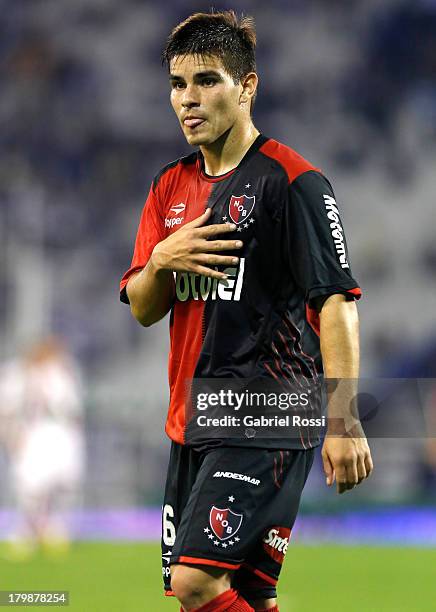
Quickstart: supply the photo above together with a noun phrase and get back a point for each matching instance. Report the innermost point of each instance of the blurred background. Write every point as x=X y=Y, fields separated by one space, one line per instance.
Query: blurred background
x=86 y=123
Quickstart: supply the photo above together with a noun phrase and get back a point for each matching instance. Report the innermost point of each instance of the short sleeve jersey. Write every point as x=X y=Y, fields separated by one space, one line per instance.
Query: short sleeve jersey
x=263 y=321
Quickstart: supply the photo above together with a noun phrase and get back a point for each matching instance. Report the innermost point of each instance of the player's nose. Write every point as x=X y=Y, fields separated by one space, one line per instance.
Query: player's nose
x=190 y=97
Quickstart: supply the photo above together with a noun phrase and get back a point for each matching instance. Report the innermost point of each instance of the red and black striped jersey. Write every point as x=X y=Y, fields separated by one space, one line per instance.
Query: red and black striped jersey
x=263 y=321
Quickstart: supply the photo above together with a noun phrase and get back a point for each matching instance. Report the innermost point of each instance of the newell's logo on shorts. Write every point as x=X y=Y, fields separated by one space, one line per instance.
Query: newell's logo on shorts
x=241 y=207
x=275 y=543
x=224 y=523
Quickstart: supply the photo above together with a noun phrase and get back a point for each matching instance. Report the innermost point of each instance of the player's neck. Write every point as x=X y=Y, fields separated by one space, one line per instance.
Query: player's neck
x=225 y=153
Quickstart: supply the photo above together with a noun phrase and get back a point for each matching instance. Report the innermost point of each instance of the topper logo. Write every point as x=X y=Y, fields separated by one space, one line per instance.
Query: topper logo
x=178 y=208
x=172 y=222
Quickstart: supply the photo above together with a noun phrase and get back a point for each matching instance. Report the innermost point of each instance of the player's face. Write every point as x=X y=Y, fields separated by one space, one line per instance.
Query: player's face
x=204 y=97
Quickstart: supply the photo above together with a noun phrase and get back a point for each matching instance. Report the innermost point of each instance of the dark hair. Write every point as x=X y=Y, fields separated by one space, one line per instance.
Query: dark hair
x=221 y=34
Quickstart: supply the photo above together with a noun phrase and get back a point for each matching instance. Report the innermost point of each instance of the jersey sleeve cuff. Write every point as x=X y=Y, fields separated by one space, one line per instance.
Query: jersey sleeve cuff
x=123 y=284
x=317 y=296
x=351 y=290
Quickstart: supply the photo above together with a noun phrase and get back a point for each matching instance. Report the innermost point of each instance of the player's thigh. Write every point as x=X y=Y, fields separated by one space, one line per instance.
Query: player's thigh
x=199 y=577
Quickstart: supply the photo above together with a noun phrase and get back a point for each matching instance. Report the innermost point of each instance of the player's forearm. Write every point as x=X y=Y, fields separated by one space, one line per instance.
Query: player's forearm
x=151 y=293
x=339 y=340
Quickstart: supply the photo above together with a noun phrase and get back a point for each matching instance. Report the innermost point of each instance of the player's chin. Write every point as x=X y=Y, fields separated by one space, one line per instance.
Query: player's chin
x=198 y=140
x=197 y=137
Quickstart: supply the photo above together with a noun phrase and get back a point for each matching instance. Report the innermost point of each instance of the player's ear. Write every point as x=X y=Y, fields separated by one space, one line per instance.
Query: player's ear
x=248 y=87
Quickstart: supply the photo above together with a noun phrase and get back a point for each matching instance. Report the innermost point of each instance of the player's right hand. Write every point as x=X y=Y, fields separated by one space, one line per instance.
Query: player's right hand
x=346 y=459
x=194 y=248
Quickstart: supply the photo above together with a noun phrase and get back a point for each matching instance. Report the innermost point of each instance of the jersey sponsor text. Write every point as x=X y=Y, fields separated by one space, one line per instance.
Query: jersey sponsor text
x=337 y=230
x=276 y=542
x=199 y=287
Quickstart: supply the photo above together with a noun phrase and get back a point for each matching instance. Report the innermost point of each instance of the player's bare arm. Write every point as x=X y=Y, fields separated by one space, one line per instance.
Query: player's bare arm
x=193 y=248
x=346 y=457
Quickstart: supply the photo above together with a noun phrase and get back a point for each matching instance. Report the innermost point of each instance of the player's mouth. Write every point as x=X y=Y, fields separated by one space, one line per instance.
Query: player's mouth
x=193 y=122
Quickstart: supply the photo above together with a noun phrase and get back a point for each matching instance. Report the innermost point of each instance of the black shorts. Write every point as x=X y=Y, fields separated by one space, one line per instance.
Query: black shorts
x=232 y=508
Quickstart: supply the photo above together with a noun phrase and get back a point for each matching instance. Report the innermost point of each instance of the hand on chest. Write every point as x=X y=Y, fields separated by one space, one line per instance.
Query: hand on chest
x=235 y=202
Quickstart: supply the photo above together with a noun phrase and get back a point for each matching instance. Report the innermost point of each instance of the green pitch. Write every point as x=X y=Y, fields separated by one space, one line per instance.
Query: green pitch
x=126 y=578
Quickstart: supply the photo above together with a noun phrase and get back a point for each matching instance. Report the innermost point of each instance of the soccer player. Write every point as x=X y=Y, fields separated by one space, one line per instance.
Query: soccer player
x=243 y=243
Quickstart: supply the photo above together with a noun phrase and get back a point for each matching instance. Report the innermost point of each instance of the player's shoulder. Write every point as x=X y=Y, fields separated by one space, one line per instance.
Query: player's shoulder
x=291 y=163
x=174 y=168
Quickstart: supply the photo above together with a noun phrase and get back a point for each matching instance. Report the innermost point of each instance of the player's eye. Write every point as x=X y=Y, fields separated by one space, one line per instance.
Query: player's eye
x=208 y=82
x=177 y=85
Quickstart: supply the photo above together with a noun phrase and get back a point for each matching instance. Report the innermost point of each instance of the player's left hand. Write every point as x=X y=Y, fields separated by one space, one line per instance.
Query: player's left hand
x=347 y=460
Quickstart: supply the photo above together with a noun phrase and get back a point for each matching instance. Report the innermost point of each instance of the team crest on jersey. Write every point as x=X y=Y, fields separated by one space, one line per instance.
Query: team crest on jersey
x=241 y=207
x=225 y=523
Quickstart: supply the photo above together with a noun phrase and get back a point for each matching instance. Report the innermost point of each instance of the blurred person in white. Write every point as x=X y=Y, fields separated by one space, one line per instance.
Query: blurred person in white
x=41 y=415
